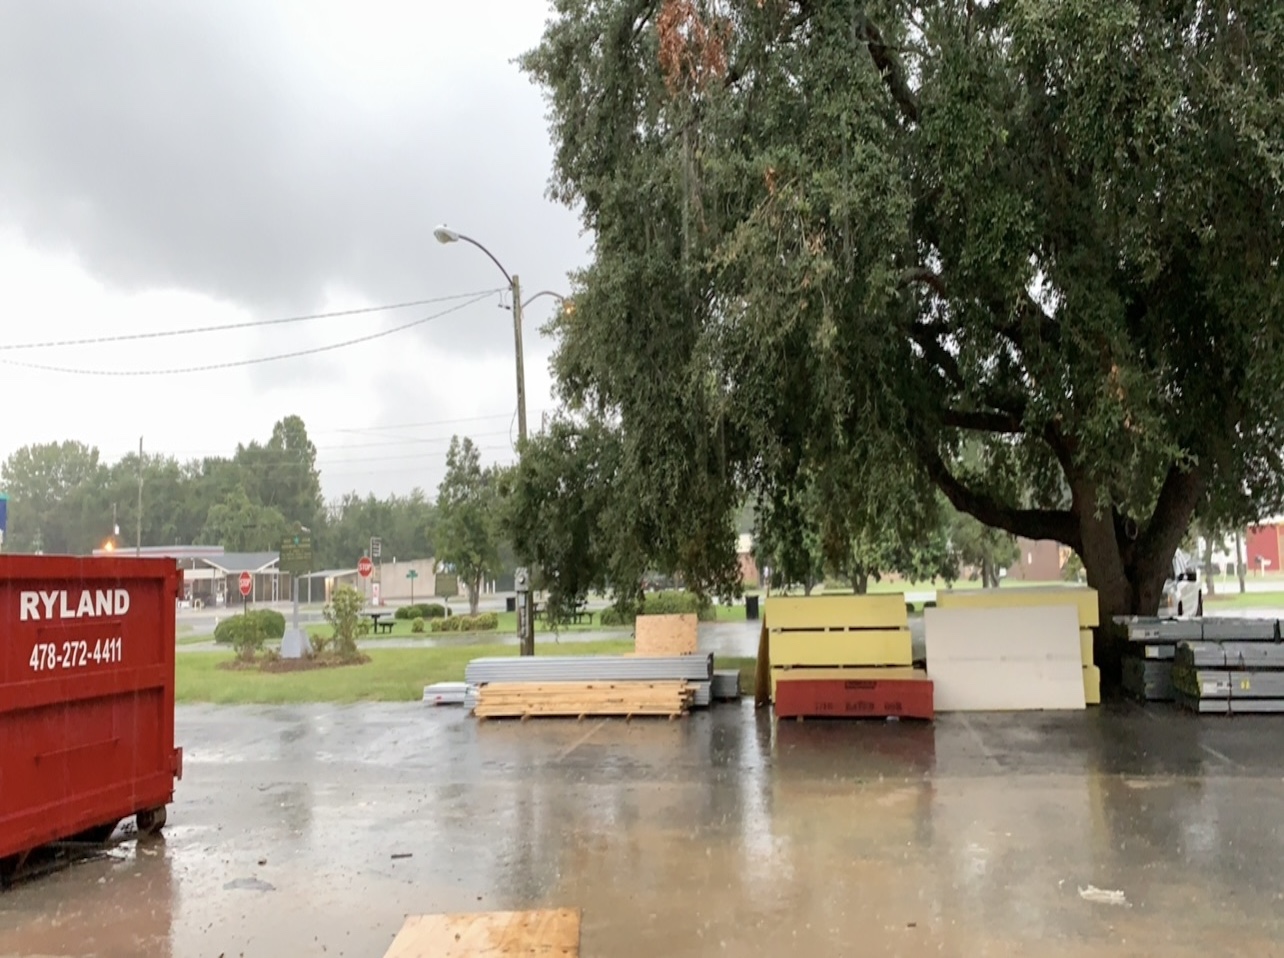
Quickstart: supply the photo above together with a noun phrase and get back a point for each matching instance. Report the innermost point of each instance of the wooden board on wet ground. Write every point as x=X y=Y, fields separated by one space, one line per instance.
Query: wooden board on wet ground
x=496 y=934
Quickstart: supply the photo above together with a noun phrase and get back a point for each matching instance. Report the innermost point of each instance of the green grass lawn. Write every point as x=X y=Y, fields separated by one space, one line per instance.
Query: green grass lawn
x=392 y=675
x=1248 y=600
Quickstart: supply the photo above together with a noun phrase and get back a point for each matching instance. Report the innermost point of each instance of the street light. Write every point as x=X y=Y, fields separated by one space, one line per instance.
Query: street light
x=445 y=235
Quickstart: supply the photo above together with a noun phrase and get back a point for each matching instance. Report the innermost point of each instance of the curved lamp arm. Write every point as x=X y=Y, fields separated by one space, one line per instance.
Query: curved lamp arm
x=445 y=234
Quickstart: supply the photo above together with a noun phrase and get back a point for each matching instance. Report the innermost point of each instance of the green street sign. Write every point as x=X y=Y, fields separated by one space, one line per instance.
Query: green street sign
x=296 y=552
x=412 y=574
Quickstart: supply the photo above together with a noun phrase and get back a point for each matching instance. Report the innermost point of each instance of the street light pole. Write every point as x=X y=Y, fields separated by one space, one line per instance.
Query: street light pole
x=444 y=234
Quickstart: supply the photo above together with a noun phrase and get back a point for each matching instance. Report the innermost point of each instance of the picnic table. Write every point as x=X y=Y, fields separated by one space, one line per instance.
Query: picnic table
x=377 y=625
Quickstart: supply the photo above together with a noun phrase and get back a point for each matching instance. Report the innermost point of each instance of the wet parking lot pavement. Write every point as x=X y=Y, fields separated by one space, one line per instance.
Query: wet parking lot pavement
x=315 y=830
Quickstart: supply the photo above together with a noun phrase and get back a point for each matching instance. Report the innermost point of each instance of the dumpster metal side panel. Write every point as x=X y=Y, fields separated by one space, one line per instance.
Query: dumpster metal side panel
x=86 y=693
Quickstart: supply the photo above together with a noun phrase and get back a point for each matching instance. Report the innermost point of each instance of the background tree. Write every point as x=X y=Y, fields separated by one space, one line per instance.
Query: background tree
x=987 y=550
x=469 y=518
x=857 y=234
x=55 y=494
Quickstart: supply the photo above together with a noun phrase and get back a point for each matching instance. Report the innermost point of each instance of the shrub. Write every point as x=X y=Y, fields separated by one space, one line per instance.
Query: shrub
x=422 y=610
x=406 y=612
x=344 y=615
x=417 y=625
x=485 y=622
x=249 y=638
x=267 y=621
x=661 y=603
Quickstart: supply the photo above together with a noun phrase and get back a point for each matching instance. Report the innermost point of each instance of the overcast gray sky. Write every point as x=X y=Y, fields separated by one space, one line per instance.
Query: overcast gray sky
x=176 y=165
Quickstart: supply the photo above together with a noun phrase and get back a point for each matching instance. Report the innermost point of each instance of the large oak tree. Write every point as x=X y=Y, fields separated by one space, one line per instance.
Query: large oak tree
x=842 y=239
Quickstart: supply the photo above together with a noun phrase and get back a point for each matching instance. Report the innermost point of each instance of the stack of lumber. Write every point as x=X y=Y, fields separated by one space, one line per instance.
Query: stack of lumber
x=1084 y=601
x=574 y=699
x=841 y=657
x=1237 y=666
x=575 y=685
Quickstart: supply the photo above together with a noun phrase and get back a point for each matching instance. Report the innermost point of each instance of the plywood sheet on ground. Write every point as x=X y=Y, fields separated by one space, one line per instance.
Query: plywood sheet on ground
x=665 y=634
x=1082 y=599
x=496 y=934
x=834 y=647
x=849 y=674
x=984 y=659
x=884 y=611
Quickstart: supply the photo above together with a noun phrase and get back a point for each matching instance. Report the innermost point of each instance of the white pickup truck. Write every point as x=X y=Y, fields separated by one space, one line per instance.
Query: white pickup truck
x=1183 y=595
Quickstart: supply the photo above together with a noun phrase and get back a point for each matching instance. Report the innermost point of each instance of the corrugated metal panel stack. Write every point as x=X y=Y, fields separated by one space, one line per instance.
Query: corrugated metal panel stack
x=574 y=685
x=843 y=656
x=1084 y=600
x=1152 y=647
x=1237 y=666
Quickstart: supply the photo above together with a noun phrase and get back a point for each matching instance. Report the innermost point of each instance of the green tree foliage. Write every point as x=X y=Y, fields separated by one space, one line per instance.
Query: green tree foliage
x=562 y=511
x=240 y=524
x=837 y=238
x=53 y=492
x=469 y=520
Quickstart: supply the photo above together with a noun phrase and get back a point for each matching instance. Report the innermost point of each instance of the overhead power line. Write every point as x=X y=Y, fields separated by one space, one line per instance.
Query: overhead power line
x=249 y=324
x=258 y=360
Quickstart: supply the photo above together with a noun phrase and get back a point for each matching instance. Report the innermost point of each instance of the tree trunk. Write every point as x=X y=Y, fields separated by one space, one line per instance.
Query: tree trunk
x=1239 y=560
x=989 y=575
x=1210 y=576
x=473 y=588
x=860 y=582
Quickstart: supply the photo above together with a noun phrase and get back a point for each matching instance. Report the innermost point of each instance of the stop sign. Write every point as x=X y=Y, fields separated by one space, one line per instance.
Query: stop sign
x=365 y=567
x=246 y=582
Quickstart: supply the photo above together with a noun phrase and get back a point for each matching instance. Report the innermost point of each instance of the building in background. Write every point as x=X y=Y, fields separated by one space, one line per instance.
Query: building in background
x=1263 y=545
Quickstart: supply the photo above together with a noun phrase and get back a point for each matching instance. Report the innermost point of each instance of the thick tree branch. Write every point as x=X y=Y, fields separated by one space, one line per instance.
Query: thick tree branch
x=1056 y=524
x=936 y=354
x=926 y=277
x=977 y=420
x=1178 y=497
x=890 y=67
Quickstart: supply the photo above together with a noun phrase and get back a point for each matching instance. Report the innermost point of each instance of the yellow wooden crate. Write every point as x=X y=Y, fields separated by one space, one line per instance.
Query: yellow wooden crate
x=850 y=647
x=806 y=674
x=1085 y=645
x=1083 y=599
x=883 y=611
x=1092 y=685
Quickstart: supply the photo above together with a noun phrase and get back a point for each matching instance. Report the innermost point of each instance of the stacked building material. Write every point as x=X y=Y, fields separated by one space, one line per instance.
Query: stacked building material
x=1238 y=666
x=446 y=693
x=841 y=656
x=726 y=684
x=1152 y=646
x=1084 y=601
x=588 y=685
x=573 y=699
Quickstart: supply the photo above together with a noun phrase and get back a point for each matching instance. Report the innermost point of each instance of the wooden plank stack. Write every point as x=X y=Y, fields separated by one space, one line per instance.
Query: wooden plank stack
x=1084 y=600
x=579 y=699
x=841 y=656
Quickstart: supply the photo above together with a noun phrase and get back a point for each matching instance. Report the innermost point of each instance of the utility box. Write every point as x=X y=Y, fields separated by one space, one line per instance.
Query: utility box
x=86 y=697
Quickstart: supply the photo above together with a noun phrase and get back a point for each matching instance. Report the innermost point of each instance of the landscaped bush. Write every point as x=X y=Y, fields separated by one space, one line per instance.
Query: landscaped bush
x=417 y=625
x=485 y=622
x=424 y=610
x=269 y=622
x=661 y=603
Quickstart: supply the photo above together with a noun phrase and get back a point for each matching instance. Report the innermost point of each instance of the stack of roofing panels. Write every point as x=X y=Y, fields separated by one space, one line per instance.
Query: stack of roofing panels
x=1083 y=600
x=842 y=656
x=588 y=685
x=1238 y=666
x=726 y=684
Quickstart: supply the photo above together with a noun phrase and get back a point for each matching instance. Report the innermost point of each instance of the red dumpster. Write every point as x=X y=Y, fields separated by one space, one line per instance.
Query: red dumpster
x=86 y=697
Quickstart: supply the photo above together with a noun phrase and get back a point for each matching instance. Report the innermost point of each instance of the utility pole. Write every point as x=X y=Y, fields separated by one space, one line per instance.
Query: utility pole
x=527 y=618
x=138 y=542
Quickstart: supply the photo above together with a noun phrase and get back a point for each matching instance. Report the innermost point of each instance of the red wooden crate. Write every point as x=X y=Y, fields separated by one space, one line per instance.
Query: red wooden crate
x=855 y=698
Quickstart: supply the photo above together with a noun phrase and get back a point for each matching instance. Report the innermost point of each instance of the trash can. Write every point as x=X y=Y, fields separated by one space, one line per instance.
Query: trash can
x=751 y=607
x=510 y=603
x=86 y=698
